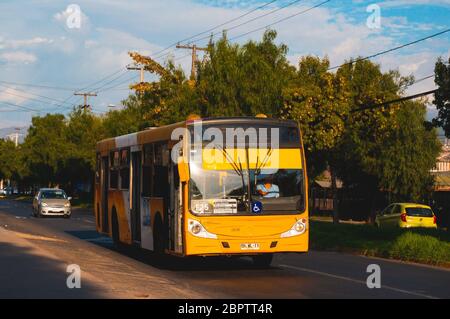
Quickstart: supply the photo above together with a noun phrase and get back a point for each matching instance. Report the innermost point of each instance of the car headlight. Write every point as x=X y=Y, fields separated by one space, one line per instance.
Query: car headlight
x=298 y=229
x=197 y=229
x=44 y=204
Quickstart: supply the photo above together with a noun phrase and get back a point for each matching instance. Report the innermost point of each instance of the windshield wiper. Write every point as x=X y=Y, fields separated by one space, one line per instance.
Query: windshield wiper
x=263 y=163
x=237 y=167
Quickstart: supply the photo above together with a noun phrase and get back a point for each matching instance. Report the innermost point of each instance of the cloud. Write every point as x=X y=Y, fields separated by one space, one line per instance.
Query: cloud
x=16 y=44
x=17 y=57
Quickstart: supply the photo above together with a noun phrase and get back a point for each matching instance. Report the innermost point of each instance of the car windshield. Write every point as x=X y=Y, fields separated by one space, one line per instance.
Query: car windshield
x=57 y=194
x=419 y=212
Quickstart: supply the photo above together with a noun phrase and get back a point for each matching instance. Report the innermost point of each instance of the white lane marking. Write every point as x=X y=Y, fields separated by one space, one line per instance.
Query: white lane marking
x=358 y=281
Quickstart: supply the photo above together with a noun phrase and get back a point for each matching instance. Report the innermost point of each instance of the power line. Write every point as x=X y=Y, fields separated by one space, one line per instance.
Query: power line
x=19 y=106
x=390 y=50
x=119 y=84
x=29 y=93
x=26 y=97
x=281 y=20
x=402 y=99
x=102 y=79
x=251 y=20
x=186 y=39
x=213 y=28
x=110 y=81
x=38 y=86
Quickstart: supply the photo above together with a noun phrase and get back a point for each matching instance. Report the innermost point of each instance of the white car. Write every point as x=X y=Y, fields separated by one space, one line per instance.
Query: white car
x=51 y=202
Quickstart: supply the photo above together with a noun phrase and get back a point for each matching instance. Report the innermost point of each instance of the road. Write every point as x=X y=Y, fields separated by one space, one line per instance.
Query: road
x=34 y=254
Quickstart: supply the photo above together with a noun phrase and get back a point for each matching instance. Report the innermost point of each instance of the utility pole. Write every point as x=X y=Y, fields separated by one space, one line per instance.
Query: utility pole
x=142 y=79
x=14 y=137
x=85 y=95
x=137 y=68
x=194 y=49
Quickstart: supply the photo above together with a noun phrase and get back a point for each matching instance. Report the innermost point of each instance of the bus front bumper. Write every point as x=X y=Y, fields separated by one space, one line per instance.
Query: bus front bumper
x=246 y=246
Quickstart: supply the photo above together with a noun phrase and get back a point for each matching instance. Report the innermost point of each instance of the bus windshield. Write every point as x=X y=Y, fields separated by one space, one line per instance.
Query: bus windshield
x=225 y=192
x=234 y=165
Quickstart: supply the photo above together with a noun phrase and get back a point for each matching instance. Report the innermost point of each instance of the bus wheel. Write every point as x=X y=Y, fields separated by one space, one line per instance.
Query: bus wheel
x=262 y=261
x=158 y=238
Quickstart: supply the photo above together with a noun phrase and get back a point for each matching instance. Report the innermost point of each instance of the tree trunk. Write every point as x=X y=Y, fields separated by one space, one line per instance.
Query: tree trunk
x=335 y=196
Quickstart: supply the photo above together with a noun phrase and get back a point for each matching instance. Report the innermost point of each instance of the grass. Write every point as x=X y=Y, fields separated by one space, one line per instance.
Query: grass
x=429 y=246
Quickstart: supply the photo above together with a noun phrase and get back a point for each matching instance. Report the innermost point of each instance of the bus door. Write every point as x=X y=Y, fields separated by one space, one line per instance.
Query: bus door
x=104 y=184
x=135 y=212
x=175 y=212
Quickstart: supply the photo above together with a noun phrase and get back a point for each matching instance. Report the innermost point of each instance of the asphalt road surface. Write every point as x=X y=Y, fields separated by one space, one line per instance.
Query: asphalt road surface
x=35 y=253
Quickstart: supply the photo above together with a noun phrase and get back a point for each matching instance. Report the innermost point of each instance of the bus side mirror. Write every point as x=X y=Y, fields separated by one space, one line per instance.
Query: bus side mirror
x=183 y=171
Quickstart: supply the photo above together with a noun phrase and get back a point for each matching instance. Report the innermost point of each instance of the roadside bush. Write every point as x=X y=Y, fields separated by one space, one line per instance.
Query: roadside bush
x=420 y=248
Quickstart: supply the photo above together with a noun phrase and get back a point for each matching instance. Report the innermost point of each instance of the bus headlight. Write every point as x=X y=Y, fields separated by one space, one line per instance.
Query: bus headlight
x=298 y=229
x=197 y=229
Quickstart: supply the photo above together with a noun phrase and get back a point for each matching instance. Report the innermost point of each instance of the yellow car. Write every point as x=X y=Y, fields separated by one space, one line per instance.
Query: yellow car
x=406 y=215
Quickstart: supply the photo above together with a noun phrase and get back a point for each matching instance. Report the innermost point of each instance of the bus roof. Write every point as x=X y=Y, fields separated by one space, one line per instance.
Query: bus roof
x=163 y=133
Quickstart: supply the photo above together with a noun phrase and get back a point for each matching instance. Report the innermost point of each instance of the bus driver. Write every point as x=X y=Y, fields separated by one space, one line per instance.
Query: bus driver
x=267 y=189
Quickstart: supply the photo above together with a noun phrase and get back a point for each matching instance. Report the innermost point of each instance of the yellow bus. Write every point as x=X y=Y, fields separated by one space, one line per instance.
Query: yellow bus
x=206 y=187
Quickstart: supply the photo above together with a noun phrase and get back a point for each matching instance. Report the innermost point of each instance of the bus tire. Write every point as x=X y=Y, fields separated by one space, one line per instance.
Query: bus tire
x=115 y=229
x=262 y=261
x=158 y=236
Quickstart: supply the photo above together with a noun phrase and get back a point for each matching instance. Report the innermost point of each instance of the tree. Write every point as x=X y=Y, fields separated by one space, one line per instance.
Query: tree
x=8 y=159
x=380 y=150
x=408 y=155
x=45 y=149
x=83 y=131
x=442 y=96
x=243 y=80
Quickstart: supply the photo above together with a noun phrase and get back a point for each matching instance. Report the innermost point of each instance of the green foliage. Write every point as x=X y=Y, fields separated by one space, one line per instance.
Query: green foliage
x=385 y=148
x=420 y=248
x=318 y=100
x=408 y=155
x=442 y=96
x=45 y=148
x=244 y=80
x=8 y=159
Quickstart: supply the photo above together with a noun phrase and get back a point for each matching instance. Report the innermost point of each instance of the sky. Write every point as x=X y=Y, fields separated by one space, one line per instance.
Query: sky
x=47 y=53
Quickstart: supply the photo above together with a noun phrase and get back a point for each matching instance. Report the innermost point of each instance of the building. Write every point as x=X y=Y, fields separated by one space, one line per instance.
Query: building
x=441 y=194
x=443 y=161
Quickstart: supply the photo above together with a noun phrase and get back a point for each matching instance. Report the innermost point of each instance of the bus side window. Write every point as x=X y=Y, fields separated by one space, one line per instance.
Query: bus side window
x=114 y=161
x=160 y=173
x=125 y=169
x=147 y=171
x=97 y=169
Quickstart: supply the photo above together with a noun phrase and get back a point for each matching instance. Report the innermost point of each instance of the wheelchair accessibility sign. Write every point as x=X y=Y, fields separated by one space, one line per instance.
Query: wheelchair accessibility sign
x=257 y=207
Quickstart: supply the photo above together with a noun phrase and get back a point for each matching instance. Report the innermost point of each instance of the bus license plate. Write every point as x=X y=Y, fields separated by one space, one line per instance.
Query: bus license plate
x=250 y=246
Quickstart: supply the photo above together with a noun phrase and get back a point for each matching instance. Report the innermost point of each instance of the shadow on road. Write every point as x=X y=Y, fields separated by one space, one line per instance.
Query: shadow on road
x=168 y=262
x=27 y=274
